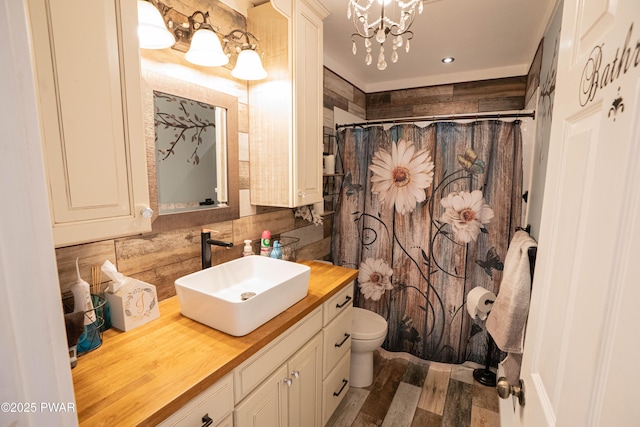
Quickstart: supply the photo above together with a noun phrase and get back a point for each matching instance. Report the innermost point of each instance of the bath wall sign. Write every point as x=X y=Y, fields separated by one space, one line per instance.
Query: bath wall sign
x=597 y=73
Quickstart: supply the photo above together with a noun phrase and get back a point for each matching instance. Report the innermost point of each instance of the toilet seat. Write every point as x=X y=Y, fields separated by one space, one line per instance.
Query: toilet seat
x=367 y=325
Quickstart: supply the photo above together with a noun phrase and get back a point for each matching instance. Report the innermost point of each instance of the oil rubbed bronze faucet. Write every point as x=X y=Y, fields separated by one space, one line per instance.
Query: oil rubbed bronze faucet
x=206 y=242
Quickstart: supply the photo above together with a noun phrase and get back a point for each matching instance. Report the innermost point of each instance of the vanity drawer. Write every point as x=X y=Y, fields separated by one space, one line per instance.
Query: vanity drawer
x=337 y=304
x=335 y=387
x=337 y=340
x=216 y=402
x=254 y=370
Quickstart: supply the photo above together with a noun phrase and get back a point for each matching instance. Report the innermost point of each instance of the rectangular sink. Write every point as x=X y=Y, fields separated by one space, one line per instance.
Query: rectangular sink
x=240 y=295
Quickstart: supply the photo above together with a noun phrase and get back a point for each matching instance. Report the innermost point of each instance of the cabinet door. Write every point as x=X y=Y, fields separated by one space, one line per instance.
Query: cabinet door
x=307 y=111
x=267 y=405
x=305 y=371
x=88 y=75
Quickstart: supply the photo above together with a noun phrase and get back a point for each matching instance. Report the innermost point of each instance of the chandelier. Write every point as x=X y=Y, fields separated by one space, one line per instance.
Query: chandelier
x=382 y=25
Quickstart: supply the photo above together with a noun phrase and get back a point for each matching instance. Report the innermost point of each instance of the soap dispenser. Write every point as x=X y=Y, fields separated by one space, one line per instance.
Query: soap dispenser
x=247 y=251
x=276 y=252
x=82 y=298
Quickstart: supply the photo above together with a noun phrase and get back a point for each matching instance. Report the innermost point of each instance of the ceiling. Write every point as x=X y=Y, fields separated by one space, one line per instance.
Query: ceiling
x=488 y=38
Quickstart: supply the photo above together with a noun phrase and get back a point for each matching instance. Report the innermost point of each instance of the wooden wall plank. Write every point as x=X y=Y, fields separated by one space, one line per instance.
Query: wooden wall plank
x=317 y=250
x=251 y=227
x=90 y=254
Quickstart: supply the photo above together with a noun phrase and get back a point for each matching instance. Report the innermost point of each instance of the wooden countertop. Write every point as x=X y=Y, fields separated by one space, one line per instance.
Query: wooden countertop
x=142 y=376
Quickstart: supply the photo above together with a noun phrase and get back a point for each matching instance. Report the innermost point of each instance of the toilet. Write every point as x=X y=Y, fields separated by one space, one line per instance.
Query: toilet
x=368 y=332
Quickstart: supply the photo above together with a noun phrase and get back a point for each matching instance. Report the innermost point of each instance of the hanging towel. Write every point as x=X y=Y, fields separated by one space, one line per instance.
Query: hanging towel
x=508 y=317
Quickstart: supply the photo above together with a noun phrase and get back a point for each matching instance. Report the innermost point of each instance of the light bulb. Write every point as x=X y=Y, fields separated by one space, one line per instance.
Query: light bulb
x=381 y=36
x=399 y=41
x=367 y=43
x=420 y=7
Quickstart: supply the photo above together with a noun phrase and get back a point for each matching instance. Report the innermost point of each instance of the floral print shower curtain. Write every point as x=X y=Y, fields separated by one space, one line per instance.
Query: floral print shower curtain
x=426 y=214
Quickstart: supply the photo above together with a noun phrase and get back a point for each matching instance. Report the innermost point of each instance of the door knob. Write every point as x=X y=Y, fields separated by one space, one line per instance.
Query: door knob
x=505 y=389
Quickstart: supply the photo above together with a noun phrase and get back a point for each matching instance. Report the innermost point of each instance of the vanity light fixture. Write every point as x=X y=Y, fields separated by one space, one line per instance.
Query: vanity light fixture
x=248 y=65
x=381 y=20
x=201 y=40
x=205 y=49
x=152 y=31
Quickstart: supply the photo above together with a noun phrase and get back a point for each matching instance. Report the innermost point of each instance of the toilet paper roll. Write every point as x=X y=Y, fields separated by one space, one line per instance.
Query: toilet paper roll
x=479 y=302
x=329 y=164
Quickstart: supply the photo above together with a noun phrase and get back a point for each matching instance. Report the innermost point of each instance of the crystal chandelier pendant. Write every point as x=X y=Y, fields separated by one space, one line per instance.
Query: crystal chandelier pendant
x=382 y=64
x=394 y=56
x=368 y=59
x=354 y=49
x=407 y=46
x=399 y=41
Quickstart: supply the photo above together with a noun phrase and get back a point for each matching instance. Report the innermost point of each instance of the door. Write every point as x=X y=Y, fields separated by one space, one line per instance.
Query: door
x=582 y=339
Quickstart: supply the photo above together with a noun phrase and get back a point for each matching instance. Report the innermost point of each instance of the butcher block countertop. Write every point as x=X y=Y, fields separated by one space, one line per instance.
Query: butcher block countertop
x=142 y=376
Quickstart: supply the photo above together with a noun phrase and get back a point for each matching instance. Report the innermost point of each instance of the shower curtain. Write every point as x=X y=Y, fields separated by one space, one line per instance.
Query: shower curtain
x=426 y=214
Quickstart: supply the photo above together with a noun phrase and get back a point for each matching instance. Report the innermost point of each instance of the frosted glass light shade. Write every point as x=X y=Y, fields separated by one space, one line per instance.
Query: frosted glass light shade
x=206 y=49
x=152 y=31
x=249 y=66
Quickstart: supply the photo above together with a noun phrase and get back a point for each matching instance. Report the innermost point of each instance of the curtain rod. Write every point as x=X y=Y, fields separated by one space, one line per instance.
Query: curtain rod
x=531 y=114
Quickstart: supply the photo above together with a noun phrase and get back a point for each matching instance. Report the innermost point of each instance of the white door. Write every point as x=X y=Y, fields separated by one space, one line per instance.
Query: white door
x=580 y=357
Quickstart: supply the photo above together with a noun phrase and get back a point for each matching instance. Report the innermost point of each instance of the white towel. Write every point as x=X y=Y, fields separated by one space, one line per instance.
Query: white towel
x=508 y=317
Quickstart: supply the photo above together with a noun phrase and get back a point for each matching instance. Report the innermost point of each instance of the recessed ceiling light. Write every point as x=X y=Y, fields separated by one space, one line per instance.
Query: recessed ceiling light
x=448 y=59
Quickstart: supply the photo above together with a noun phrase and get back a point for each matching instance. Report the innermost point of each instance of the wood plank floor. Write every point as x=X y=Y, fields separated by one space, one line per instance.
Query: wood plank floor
x=408 y=391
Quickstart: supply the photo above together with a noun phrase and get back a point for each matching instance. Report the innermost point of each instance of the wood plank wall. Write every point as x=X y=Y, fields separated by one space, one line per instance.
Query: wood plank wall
x=458 y=98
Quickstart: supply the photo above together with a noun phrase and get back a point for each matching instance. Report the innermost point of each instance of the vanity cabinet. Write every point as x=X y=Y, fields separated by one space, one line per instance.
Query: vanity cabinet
x=213 y=407
x=88 y=86
x=337 y=319
x=286 y=108
x=291 y=395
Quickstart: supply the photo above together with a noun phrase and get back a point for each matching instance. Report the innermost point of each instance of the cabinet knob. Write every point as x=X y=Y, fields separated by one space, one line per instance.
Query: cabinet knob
x=295 y=374
x=302 y=194
x=147 y=213
x=287 y=381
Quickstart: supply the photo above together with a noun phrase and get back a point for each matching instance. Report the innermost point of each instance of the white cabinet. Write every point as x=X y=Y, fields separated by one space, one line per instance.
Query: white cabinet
x=213 y=407
x=88 y=86
x=286 y=108
x=291 y=396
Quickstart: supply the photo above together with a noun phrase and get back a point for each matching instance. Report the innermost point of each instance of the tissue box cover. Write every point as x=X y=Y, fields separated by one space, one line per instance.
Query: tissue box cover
x=134 y=304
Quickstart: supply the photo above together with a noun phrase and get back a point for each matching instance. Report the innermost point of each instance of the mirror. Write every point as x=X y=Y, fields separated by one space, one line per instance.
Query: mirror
x=191 y=134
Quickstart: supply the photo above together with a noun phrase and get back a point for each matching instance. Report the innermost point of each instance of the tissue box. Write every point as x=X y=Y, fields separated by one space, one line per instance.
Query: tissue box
x=133 y=305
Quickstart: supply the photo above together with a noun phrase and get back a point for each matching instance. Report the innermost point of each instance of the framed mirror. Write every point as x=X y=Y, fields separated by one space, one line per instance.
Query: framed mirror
x=191 y=134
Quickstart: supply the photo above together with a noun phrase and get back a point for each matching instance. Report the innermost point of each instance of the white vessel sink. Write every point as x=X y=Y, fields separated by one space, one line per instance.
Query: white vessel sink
x=240 y=295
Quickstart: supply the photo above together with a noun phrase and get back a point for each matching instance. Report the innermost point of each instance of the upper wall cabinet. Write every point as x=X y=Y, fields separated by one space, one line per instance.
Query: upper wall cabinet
x=286 y=108
x=88 y=78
